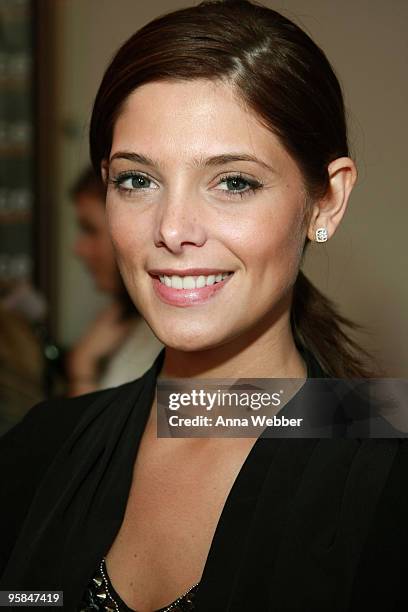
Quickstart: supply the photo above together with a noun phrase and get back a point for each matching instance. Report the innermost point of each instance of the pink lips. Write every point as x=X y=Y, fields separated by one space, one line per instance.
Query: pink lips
x=187 y=297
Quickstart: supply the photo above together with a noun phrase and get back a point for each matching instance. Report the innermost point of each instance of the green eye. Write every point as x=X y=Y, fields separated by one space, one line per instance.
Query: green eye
x=132 y=181
x=240 y=186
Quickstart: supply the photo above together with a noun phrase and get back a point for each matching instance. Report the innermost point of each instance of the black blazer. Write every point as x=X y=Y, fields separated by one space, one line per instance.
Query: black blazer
x=309 y=524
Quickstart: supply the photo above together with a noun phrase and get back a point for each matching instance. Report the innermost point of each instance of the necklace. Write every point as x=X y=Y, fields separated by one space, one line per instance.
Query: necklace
x=105 y=592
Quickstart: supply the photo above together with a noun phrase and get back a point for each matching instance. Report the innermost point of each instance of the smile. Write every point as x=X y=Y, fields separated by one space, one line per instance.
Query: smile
x=189 y=290
x=192 y=282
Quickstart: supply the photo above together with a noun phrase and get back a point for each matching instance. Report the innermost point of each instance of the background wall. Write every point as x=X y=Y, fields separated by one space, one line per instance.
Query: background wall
x=363 y=267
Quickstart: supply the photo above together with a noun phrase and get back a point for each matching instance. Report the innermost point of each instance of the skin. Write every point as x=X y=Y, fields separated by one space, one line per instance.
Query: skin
x=186 y=217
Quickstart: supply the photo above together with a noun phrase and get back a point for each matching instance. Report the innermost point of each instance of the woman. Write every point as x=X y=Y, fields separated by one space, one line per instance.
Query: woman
x=118 y=345
x=220 y=132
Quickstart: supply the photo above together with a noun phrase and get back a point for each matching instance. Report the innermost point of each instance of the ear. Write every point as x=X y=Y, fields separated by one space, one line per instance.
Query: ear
x=329 y=211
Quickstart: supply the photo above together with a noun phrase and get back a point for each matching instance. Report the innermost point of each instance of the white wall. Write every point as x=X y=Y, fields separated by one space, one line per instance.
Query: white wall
x=363 y=266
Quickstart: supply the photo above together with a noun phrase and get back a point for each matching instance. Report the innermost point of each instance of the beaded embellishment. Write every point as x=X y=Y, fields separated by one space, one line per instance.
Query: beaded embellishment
x=98 y=596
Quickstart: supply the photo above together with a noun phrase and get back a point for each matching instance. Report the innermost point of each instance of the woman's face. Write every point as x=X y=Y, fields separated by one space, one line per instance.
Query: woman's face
x=199 y=188
x=93 y=244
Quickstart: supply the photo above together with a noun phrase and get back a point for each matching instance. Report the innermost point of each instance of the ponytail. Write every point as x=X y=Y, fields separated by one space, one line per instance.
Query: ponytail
x=318 y=326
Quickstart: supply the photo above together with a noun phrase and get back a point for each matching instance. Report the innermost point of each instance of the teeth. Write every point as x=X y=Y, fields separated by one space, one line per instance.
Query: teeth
x=192 y=282
x=188 y=282
x=176 y=282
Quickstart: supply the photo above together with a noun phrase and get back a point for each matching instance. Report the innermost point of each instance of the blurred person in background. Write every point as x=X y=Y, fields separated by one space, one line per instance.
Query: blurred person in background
x=21 y=368
x=118 y=346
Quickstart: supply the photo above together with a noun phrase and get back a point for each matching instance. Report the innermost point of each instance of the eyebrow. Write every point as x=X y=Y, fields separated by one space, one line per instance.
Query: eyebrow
x=214 y=160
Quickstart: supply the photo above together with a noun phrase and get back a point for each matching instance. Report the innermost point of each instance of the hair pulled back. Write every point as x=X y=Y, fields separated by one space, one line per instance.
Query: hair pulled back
x=286 y=79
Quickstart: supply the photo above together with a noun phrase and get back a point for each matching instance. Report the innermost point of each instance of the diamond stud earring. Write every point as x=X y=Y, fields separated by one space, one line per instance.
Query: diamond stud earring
x=321 y=234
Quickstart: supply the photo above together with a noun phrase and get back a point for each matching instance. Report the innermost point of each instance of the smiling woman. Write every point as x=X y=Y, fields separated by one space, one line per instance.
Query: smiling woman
x=210 y=205
x=272 y=154
x=219 y=131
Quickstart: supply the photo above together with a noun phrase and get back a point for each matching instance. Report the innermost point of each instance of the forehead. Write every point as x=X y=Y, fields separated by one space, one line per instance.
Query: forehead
x=169 y=119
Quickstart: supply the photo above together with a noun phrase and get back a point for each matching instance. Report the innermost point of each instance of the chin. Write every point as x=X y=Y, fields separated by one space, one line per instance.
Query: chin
x=191 y=340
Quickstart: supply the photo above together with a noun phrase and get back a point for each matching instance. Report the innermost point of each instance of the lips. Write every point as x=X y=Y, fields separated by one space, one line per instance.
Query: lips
x=193 y=295
x=186 y=271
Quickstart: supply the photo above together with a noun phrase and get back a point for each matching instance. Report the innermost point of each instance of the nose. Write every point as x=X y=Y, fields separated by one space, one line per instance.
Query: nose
x=179 y=223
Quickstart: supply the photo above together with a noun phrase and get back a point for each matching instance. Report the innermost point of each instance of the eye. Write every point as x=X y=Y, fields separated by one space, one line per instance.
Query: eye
x=132 y=181
x=238 y=185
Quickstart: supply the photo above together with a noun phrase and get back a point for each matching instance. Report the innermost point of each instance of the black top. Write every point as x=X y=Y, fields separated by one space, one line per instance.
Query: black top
x=309 y=524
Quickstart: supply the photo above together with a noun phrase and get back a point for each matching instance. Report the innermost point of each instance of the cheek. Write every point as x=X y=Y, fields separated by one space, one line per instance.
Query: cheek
x=282 y=239
x=121 y=228
x=272 y=241
x=129 y=235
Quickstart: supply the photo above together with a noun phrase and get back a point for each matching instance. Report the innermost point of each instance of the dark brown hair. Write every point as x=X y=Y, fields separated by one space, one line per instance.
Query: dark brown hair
x=286 y=79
